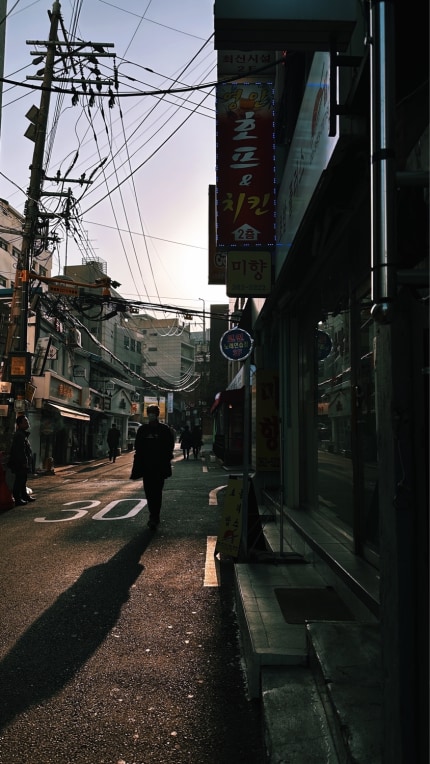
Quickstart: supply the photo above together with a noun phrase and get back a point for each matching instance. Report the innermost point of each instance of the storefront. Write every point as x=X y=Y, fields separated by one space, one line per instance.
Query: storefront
x=228 y=426
x=63 y=434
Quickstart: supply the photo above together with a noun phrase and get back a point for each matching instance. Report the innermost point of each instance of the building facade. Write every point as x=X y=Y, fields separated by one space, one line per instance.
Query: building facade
x=341 y=341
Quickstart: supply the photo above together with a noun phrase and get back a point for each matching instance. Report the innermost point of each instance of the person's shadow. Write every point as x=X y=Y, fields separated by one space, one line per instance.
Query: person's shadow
x=55 y=646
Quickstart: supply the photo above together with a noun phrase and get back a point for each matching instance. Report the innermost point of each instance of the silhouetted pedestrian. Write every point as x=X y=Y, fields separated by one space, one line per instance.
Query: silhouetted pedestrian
x=113 y=442
x=196 y=436
x=186 y=442
x=153 y=452
x=20 y=461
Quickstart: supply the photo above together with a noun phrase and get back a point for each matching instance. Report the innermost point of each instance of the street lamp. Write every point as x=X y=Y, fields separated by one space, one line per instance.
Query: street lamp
x=204 y=319
x=203 y=390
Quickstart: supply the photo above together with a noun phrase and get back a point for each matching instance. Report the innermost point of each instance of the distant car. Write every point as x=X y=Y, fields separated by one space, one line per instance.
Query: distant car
x=132 y=430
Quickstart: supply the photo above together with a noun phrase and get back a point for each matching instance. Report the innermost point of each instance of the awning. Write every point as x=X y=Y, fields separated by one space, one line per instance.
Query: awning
x=120 y=383
x=229 y=396
x=69 y=413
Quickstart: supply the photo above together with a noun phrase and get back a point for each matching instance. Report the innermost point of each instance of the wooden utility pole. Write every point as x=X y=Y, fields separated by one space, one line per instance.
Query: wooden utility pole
x=17 y=356
x=39 y=118
x=3 y=13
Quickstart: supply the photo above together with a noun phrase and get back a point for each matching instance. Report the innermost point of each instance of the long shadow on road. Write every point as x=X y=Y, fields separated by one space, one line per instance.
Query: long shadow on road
x=53 y=649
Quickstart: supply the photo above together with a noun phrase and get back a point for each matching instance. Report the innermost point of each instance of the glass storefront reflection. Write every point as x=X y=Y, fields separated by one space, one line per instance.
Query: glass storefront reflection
x=347 y=459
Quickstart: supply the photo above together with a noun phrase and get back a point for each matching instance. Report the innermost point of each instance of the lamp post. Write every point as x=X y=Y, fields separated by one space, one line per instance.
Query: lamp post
x=203 y=374
x=204 y=319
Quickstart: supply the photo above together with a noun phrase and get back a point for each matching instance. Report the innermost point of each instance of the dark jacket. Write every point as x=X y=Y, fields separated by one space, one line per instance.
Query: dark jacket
x=113 y=437
x=186 y=439
x=153 y=451
x=20 y=457
x=196 y=436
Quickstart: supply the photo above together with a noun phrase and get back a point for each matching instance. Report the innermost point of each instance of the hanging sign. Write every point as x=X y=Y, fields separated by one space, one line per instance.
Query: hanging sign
x=236 y=344
x=249 y=273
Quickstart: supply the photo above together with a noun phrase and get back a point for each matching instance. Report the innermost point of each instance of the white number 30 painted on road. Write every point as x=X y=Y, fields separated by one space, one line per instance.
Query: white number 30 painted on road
x=101 y=515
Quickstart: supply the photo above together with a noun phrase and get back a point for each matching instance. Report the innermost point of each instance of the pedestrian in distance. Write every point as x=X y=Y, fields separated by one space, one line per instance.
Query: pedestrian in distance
x=186 y=442
x=113 y=442
x=20 y=461
x=196 y=435
x=153 y=453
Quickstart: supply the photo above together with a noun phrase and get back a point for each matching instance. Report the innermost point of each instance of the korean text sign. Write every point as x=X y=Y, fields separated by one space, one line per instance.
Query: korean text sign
x=236 y=344
x=245 y=164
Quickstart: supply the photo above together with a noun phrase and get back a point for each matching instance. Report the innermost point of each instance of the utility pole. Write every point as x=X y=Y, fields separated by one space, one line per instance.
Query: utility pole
x=17 y=357
x=3 y=14
x=36 y=175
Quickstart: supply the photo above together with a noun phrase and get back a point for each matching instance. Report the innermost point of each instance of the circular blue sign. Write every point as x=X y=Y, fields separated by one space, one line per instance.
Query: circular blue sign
x=236 y=344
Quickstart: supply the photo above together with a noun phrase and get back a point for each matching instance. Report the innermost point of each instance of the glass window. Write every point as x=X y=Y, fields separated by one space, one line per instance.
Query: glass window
x=346 y=425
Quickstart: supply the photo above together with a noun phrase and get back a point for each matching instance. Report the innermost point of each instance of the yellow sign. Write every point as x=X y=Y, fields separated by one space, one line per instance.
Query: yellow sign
x=64 y=289
x=19 y=366
x=155 y=401
x=230 y=531
x=249 y=273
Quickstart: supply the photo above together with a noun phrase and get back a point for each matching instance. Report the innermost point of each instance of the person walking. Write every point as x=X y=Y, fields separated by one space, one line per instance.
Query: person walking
x=186 y=442
x=196 y=435
x=20 y=461
x=113 y=442
x=153 y=452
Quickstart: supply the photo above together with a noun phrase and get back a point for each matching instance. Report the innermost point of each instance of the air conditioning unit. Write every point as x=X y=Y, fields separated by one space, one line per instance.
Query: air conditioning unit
x=110 y=385
x=74 y=338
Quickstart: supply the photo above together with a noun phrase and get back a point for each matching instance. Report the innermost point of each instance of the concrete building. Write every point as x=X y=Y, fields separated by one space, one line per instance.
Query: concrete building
x=340 y=398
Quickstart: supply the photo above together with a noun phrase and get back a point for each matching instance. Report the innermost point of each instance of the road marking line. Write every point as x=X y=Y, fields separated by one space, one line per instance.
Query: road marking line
x=213 y=498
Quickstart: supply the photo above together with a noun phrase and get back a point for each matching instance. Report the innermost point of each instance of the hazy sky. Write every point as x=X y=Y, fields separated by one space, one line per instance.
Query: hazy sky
x=153 y=156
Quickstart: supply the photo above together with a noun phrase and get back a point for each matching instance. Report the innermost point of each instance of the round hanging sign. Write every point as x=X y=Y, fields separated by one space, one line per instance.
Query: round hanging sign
x=236 y=344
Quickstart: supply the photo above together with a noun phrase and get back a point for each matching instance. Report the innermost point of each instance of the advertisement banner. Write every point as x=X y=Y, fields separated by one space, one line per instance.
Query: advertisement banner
x=245 y=164
x=309 y=155
x=230 y=530
x=267 y=420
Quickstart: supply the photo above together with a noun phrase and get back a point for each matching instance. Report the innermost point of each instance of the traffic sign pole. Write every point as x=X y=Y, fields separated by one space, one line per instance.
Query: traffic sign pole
x=236 y=345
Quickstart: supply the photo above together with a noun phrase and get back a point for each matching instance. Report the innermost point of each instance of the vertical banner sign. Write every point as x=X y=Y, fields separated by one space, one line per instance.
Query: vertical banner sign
x=267 y=420
x=230 y=531
x=217 y=260
x=245 y=165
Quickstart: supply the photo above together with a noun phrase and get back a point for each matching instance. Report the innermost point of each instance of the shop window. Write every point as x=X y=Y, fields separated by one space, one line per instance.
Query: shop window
x=345 y=424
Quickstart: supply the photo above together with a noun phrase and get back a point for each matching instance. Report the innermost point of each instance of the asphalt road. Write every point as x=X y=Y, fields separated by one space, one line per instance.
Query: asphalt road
x=116 y=647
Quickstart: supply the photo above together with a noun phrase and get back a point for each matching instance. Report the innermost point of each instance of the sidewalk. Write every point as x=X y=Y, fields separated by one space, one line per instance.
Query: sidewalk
x=319 y=680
